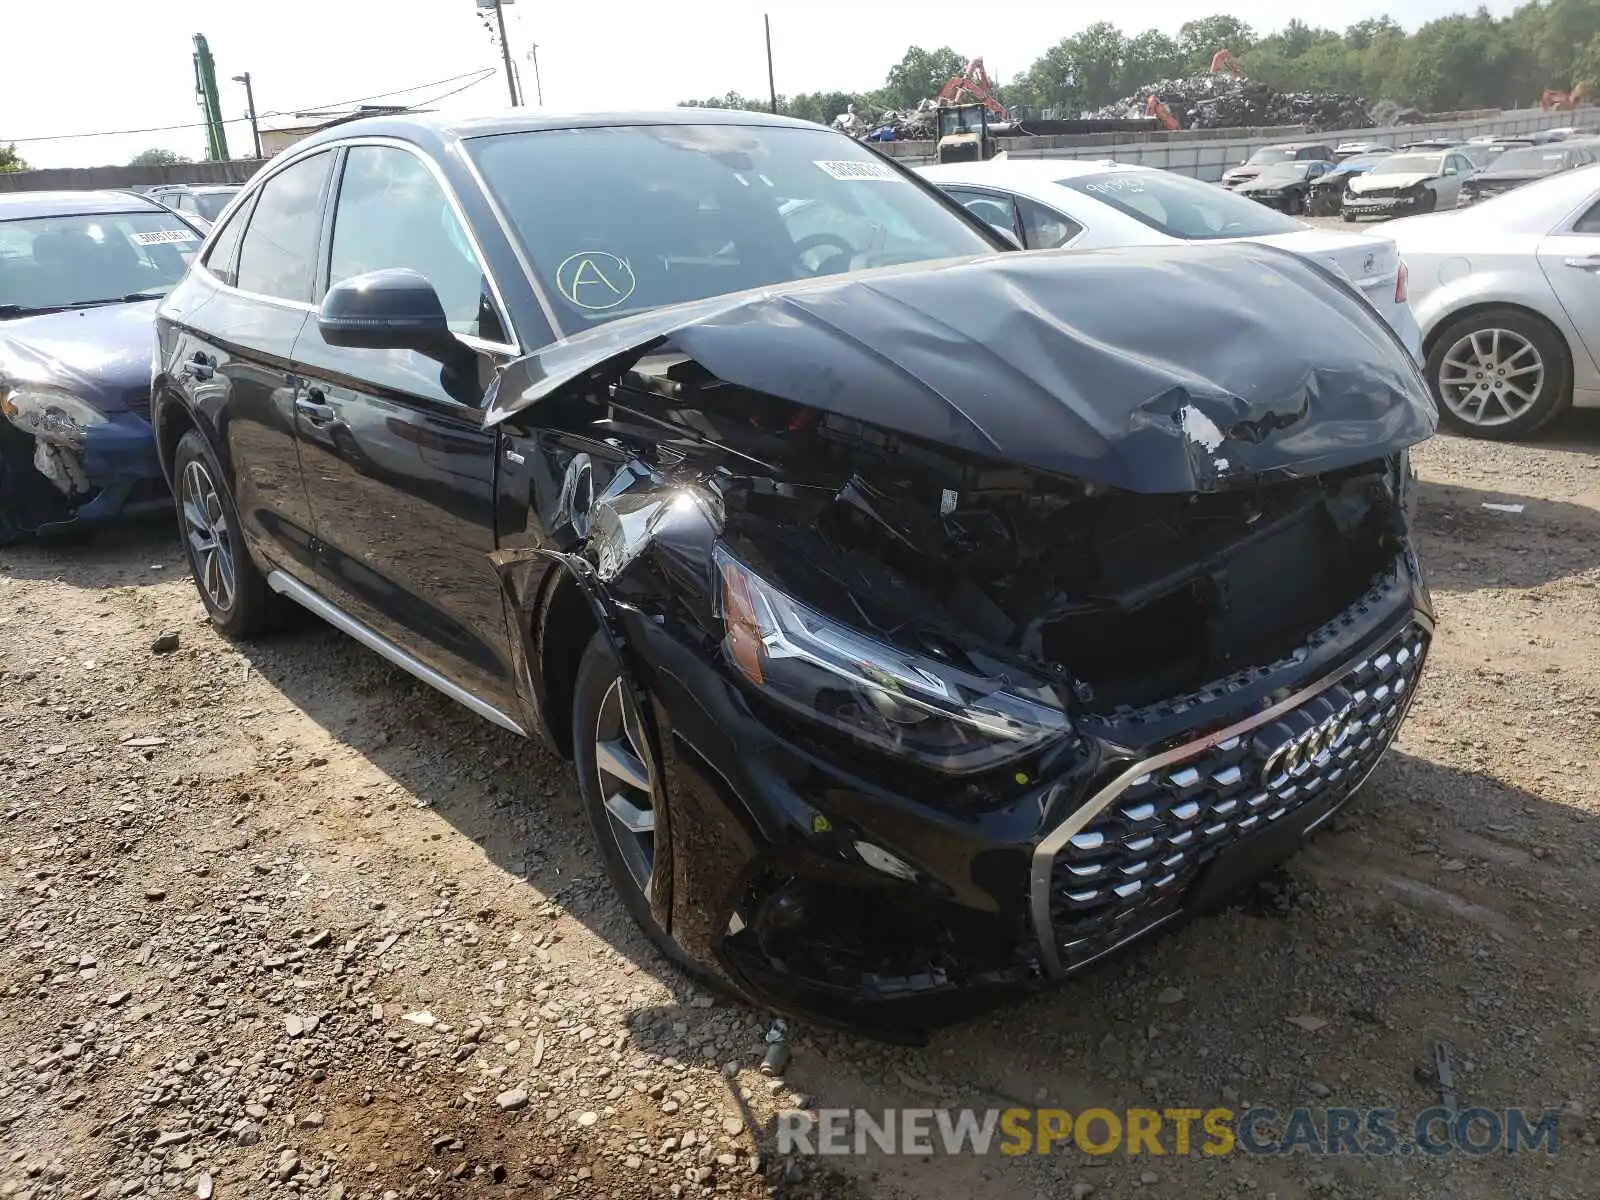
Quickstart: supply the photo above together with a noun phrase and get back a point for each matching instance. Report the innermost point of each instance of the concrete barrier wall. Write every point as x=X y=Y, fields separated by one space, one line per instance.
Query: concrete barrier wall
x=1207 y=153
x=78 y=178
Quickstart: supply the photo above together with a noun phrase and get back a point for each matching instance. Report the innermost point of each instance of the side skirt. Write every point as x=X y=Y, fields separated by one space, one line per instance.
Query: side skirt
x=288 y=586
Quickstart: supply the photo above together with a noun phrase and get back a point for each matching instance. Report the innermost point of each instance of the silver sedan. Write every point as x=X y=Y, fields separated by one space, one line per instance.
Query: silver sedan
x=1508 y=297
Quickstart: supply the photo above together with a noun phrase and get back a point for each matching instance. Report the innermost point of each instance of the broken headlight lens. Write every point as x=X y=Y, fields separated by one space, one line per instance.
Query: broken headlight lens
x=911 y=704
x=50 y=414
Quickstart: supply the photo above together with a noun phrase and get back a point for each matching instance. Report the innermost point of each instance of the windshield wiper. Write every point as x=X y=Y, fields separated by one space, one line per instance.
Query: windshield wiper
x=147 y=294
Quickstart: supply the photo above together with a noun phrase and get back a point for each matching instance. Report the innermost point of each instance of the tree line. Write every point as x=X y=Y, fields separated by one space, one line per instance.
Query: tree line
x=1468 y=60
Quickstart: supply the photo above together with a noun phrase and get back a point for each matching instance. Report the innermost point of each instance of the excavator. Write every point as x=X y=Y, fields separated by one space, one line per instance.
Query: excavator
x=1222 y=59
x=1553 y=100
x=965 y=104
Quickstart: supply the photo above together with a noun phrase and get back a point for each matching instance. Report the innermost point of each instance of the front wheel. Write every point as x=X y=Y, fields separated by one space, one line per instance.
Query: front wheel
x=619 y=781
x=234 y=591
x=1500 y=373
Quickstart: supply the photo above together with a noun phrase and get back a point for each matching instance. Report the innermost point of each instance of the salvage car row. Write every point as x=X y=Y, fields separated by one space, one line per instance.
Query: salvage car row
x=1357 y=180
x=924 y=620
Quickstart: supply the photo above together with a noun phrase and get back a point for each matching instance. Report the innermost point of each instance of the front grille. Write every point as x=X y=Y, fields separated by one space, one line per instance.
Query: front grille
x=1129 y=868
x=1375 y=194
x=138 y=403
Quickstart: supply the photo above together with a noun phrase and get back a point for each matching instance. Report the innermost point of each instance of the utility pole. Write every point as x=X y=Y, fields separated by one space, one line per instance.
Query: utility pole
x=505 y=51
x=772 y=87
x=538 y=84
x=205 y=86
x=250 y=99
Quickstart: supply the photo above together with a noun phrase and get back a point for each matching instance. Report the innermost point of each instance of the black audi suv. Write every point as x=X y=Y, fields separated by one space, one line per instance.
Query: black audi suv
x=922 y=622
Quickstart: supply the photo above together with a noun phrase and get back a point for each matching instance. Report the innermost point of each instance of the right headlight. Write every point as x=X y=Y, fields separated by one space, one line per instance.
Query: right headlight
x=50 y=414
x=907 y=703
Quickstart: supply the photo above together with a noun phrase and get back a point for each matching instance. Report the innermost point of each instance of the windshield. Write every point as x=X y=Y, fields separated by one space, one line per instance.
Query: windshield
x=1409 y=164
x=662 y=214
x=1272 y=154
x=1530 y=158
x=49 y=263
x=1181 y=207
x=211 y=204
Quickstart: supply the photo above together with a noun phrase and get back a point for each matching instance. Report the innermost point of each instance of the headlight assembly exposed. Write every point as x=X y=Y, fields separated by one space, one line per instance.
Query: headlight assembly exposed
x=50 y=414
x=910 y=704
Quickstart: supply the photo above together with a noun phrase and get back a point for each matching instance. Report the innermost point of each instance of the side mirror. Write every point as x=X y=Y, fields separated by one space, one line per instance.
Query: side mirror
x=395 y=309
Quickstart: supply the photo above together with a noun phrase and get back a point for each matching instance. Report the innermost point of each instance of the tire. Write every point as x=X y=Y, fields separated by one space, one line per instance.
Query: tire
x=1348 y=218
x=1480 y=403
x=600 y=698
x=231 y=587
x=1432 y=202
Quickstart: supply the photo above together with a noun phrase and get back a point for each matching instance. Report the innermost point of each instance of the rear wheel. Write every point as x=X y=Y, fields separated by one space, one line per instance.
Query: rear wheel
x=1500 y=373
x=231 y=587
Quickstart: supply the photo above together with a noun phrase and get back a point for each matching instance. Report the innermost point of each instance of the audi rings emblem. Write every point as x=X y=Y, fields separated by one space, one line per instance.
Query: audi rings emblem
x=1311 y=748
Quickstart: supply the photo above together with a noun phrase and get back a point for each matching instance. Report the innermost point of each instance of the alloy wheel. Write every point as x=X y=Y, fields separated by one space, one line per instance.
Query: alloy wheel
x=1491 y=377
x=621 y=762
x=210 y=544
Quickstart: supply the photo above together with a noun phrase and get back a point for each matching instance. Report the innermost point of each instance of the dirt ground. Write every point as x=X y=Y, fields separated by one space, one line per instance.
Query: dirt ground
x=277 y=920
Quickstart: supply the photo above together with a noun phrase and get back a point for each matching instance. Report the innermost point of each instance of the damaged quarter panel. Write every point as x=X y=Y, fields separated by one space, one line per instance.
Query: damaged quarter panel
x=911 y=567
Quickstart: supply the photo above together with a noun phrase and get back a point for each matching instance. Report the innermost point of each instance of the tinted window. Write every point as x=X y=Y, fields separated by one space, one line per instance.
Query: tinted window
x=89 y=259
x=210 y=204
x=1590 y=221
x=1181 y=207
x=620 y=219
x=1531 y=158
x=1044 y=228
x=392 y=212
x=995 y=211
x=279 y=254
x=222 y=260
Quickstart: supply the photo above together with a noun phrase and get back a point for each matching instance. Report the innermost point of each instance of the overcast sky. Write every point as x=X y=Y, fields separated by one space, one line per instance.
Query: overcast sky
x=100 y=65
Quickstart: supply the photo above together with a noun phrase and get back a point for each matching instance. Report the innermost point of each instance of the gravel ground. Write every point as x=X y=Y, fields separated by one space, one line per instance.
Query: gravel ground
x=276 y=920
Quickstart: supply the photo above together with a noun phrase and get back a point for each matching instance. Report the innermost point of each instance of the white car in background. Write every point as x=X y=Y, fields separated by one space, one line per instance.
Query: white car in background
x=1508 y=296
x=1050 y=203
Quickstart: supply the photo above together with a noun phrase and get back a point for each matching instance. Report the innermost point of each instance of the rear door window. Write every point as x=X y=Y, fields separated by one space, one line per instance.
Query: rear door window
x=279 y=254
x=222 y=260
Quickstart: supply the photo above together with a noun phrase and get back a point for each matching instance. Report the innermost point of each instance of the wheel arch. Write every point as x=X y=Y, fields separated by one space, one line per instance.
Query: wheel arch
x=1446 y=320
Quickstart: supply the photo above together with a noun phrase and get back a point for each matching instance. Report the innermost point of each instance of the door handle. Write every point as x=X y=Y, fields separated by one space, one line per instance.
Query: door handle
x=313 y=406
x=199 y=367
x=1589 y=263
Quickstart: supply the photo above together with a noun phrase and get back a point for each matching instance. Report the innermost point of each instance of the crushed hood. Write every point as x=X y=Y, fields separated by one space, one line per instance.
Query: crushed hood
x=1152 y=369
x=99 y=354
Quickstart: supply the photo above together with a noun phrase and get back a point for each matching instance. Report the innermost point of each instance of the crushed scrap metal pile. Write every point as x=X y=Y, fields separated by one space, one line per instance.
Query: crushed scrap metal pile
x=1216 y=102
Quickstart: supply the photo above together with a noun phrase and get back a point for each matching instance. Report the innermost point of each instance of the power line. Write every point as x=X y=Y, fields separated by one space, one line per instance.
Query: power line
x=475 y=77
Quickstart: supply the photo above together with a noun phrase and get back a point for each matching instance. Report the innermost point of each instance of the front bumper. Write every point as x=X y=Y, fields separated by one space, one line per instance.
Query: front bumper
x=123 y=473
x=1281 y=201
x=1150 y=818
x=1383 y=206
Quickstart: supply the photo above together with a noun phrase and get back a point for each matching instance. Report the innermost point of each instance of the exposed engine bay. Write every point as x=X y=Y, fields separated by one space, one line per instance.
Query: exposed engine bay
x=915 y=566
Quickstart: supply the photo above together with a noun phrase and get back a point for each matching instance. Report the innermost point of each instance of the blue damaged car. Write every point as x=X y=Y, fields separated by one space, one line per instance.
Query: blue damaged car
x=80 y=276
